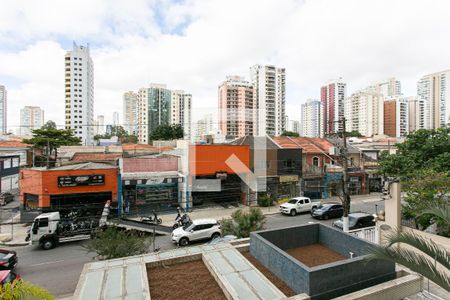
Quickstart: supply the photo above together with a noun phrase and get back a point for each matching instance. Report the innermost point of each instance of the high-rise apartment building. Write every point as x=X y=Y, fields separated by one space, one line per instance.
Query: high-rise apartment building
x=332 y=96
x=181 y=111
x=294 y=126
x=130 y=112
x=364 y=112
x=154 y=109
x=115 y=119
x=31 y=117
x=237 y=107
x=434 y=90
x=416 y=114
x=3 y=110
x=99 y=125
x=396 y=117
x=312 y=118
x=204 y=126
x=390 y=87
x=269 y=83
x=79 y=93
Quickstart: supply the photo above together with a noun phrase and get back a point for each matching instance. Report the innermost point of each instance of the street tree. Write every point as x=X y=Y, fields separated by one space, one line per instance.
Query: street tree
x=49 y=139
x=290 y=133
x=243 y=222
x=167 y=132
x=121 y=133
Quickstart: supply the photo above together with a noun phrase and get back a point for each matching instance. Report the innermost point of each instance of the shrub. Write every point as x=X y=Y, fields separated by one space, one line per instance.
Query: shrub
x=21 y=289
x=264 y=201
x=242 y=222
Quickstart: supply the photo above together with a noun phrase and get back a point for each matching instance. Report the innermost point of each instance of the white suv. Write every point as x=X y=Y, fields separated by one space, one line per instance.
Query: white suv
x=200 y=229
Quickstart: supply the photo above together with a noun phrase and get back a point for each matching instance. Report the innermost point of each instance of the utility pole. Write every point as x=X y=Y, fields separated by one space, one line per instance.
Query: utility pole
x=48 y=153
x=345 y=191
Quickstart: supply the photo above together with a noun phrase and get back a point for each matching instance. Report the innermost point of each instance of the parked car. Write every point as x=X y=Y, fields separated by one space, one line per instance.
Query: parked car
x=298 y=205
x=8 y=259
x=356 y=220
x=200 y=229
x=328 y=211
x=8 y=276
x=5 y=198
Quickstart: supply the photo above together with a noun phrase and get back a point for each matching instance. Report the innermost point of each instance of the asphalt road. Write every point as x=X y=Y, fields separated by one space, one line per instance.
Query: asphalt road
x=58 y=269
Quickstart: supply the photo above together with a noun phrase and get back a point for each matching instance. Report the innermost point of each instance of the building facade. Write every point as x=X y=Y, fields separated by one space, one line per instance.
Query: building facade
x=99 y=125
x=364 y=111
x=115 y=118
x=79 y=93
x=396 y=117
x=434 y=91
x=31 y=117
x=269 y=83
x=312 y=119
x=293 y=126
x=332 y=96
x=3 y=109
x=181 y=111
x=154 y=109
x=130 y=112
x=416 y=114
x=204 y=126
x=237 y=107
x=390 y=87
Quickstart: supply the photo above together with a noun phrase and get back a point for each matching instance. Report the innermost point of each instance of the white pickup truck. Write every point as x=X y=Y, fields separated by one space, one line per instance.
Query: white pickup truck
x=298 y=205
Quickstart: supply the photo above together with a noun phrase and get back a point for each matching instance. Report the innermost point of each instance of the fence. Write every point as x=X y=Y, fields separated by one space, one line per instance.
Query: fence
x=369 y=234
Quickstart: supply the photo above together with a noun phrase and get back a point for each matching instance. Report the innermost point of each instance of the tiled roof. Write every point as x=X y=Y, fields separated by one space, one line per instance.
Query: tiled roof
x=309 y=145
x=84 y=166
x=79 y=157
x=156 y=164
x=144 y=147
x=13 y=144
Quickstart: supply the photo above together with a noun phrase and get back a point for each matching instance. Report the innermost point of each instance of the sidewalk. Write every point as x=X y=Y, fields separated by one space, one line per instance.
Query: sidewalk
x=13 y=235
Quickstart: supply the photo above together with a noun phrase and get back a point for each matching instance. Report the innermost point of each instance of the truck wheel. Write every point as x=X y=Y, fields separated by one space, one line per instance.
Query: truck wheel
x=293 y=212
x=183 y=242
x=47 y=244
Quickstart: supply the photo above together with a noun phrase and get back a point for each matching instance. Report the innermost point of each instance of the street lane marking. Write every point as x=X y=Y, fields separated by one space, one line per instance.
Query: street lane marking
x=48 y=262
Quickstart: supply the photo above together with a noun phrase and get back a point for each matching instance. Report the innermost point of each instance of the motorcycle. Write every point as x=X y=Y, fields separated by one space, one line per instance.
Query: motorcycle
x=152 y=219
x=181 y=220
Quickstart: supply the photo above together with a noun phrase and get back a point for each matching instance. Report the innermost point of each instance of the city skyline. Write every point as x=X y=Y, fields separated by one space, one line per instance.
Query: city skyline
x=138 y=53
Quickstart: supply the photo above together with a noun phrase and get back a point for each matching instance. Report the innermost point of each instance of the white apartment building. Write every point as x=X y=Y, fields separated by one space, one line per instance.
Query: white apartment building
x=181 y=111
x=364 y=112
x=332 y=96
x=79 y=93
x=204 y=126
x=269 y=84
x=391 y=87
x=130 y=112
x=294 y=126
x=99 y=127
x=312 y=119
x=115 y=119
x=3 y=110
x=31 y=117
x=434 y=90
x=416 y=114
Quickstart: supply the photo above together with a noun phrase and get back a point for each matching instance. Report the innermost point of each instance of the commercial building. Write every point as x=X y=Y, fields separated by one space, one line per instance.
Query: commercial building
x=364 y=112
x=396 y=117
x=85 y=186
x=31 y=117
x=269 y=83
x=181 y=111
x=416 y=114
x=237 y=107
x=3 y=109
x=9 y=173
x=25 y=152
x=312 y=119
x=332 y=96
x=130 y=112
x=434 y=90
x=79 y=93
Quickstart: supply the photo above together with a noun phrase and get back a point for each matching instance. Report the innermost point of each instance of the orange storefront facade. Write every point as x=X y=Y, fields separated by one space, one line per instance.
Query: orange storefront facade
x=67 y=188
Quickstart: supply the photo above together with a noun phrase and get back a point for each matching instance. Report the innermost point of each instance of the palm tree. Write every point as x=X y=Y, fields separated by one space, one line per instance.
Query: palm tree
x=424 y=255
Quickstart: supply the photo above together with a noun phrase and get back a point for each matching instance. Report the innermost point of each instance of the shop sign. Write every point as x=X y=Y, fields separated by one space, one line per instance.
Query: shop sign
x=288 y=178
x=81 y=180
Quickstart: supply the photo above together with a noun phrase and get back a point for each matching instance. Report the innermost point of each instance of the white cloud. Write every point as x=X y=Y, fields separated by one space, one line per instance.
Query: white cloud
x=316 y=40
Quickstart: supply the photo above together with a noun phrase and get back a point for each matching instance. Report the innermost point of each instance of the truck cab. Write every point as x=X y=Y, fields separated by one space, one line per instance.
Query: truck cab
x=298 y=205
x=44 y=230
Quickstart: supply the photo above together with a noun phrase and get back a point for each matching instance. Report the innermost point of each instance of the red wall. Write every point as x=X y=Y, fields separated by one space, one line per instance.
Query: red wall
x=210 y=159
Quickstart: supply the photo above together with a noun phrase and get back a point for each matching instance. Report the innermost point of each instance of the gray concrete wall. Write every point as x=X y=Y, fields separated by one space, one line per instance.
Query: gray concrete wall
x=292 y=237
x=342 y=243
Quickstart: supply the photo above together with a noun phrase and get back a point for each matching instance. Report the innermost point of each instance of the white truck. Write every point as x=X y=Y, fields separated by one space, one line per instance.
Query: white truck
x=298 y=205
x=49 y=229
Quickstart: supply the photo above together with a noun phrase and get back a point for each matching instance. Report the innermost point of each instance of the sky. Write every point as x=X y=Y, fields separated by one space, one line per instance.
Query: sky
x=193 y=45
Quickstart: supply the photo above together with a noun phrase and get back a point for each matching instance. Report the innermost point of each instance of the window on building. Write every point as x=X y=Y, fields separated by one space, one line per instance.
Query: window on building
x=15 y=162
x=315 y=161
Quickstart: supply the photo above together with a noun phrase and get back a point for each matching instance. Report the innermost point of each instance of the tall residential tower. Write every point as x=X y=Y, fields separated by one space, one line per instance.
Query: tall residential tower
x=79 y=93
x=181 y=111
x=31 y=117
x=130 y=112
x=3 y=110
x=312 y=118
x=332 y=96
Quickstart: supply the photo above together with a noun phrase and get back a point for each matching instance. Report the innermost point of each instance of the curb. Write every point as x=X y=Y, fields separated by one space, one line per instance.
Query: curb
x=18 y=244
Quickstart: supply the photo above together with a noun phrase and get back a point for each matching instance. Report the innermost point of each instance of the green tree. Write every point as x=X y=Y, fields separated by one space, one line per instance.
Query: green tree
x=290 y=133
x=24 y=290
x=49 y=139
x=121 y=133
x=167 y=132
x=242 y=222
x=422 y=149
x=424 y=254
x=113 y=242
x=353 y=133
